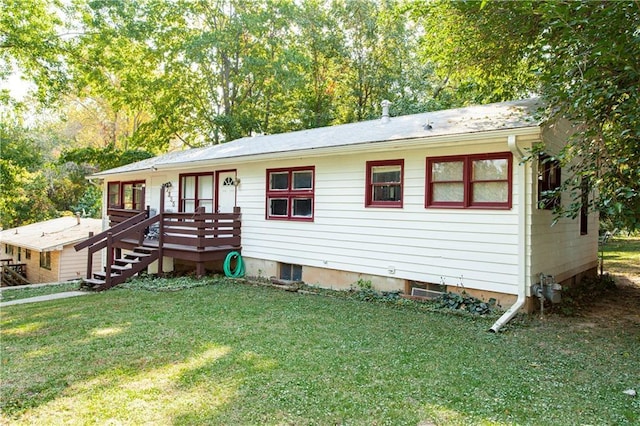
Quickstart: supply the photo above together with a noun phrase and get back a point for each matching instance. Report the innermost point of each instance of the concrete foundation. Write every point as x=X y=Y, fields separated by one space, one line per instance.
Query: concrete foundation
x=344 y=280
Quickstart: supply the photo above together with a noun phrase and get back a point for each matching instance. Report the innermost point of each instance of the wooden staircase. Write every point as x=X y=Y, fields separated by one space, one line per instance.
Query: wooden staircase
x=127 y=263
x=9 y=277
x=197 y=237
x=124 y=267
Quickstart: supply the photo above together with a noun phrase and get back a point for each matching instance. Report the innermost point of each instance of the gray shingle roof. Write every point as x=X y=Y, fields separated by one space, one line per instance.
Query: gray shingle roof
x=473 y=119
x=51 y=234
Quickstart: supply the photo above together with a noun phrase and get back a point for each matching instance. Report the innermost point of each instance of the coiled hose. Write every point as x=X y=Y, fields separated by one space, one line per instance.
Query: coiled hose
x=238 y=272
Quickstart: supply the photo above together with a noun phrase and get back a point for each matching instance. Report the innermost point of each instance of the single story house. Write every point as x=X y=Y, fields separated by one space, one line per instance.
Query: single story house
x=418 y=203
x=44 y=250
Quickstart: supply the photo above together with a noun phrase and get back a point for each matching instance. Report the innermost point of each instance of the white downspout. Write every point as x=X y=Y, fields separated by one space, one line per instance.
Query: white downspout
x=522 y=238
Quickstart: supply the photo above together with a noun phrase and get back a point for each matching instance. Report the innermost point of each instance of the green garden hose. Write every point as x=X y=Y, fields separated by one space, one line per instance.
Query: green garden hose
x=239 y=269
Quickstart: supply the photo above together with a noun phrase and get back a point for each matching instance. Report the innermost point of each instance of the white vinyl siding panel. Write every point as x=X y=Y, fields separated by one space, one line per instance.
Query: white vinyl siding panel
x=490 y=249
x=478 y=247
x=559 y=249
x=73 y=264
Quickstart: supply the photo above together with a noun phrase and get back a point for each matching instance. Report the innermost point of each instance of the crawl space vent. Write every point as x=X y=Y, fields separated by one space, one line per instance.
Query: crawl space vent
x=429 y=294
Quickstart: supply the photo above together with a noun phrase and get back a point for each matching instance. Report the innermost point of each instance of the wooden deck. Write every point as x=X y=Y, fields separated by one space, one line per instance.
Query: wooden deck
x=198 y=237
x=12 y=274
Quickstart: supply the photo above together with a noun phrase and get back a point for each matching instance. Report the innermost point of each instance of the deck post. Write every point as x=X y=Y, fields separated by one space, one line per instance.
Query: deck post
x=200 y=222
x=200 y=270
x=90 y=259
x=161 y=230
x=107 y=277
x=237 y=219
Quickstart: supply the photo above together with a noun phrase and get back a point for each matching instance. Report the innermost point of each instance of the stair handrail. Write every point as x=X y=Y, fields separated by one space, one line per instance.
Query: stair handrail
x=109 y=237
x=115 y=229
x=113 y=238
x=14 y=276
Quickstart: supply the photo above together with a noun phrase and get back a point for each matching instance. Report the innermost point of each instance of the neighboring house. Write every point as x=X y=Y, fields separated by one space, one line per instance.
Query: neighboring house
x=45 y=249
x=438 y=200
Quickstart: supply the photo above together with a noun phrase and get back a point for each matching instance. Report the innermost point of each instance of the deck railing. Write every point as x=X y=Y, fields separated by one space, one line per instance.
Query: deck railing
x=133 y=227
x=197 y=236
x=201 y=230
x=13 y=274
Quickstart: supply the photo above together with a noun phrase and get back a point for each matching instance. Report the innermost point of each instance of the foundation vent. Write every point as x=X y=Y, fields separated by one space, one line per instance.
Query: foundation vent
x=429 y=294
x=427 y=290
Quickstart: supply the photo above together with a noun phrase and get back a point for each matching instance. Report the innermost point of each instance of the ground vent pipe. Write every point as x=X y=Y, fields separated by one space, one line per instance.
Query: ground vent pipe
x=522 y=240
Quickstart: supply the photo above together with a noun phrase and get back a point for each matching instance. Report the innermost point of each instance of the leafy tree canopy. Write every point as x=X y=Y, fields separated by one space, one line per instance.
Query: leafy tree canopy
x=582 y=57
x=155 y=75
x=96 y=159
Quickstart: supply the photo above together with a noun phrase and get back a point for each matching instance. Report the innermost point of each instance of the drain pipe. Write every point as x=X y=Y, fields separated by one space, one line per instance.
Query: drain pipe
x=522 y=239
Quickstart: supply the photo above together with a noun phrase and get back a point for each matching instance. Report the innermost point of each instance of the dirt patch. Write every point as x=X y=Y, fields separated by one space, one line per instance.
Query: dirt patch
x=614 y=307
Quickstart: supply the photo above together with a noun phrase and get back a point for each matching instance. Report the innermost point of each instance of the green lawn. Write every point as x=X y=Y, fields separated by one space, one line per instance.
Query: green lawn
x=8 y=294
x=622 y=255
x=234 y=354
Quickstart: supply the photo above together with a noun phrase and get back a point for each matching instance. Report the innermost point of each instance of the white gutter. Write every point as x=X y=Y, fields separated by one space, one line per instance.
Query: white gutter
x=522 y=238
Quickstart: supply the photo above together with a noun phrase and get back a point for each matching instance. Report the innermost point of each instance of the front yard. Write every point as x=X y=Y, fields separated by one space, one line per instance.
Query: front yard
x=230 y=353
x=8 y=294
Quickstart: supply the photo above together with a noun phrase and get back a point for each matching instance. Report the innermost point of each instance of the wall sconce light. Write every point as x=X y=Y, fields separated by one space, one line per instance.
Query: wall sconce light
x=166 y=185
x=236 y=182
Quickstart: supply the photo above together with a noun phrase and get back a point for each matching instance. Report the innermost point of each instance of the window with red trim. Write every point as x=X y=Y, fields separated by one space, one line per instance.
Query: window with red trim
x=290 y=193
x=113 y=197
x=469 y=181
x=196 y=190
x=126 y=195
x=384 y=183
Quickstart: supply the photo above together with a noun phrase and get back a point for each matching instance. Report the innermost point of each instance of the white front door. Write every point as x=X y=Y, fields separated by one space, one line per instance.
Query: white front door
x=226 y=191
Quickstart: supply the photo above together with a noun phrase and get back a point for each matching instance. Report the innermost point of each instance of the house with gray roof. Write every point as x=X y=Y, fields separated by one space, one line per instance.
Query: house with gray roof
x=421 y=204
x=43 y=251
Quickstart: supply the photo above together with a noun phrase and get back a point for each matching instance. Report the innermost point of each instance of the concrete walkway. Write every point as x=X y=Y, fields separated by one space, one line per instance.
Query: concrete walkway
x=53 y=296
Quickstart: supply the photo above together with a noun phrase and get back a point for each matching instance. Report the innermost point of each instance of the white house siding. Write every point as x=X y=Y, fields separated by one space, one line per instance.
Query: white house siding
x=559 y=249
x=477 y=248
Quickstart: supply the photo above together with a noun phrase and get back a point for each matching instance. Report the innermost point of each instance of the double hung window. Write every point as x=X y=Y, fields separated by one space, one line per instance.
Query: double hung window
x=113 y=195
x=470 y=181
x=45 y=259
x=584 y=206
x=549 y=181
x=126 y=195
x=384 y=183
x=290 y=193
x=196 y=190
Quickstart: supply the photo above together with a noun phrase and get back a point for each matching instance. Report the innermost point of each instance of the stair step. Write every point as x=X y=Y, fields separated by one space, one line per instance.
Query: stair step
x=137 y=254
x=143 y=249
x=127 y=261
x=93 y=281
x=103 y=275
x=120 y=268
